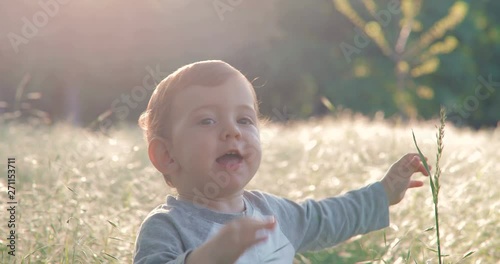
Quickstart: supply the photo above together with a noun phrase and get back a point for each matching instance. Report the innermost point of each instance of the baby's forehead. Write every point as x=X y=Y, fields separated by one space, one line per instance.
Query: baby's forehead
x=199 y=98
x=219 y=94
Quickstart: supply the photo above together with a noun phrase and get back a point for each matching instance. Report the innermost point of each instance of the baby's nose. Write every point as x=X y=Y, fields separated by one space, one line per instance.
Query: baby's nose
x=230 y=130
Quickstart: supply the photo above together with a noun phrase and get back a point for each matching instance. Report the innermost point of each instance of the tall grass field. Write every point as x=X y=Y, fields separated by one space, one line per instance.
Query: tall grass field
x=82 y=195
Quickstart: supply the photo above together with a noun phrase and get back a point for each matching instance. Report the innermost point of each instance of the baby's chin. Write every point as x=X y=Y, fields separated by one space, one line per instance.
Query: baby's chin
x=232 y=179
x=222 y=182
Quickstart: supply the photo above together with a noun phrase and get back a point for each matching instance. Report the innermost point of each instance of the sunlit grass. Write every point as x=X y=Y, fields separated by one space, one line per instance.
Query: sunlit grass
x=83 y=195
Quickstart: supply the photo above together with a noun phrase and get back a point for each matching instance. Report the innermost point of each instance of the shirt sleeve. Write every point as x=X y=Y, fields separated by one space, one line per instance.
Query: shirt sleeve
x=315 y=225
x=159 y=242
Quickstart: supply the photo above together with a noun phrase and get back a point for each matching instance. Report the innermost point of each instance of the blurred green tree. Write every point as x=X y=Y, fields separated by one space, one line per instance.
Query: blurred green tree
x=389 y=25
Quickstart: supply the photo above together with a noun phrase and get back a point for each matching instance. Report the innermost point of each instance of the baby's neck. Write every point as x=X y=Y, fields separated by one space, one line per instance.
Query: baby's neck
x=231 y=204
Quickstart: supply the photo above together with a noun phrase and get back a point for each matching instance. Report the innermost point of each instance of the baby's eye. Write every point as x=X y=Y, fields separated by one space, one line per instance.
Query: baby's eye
x=207 y=121
x=246 y=121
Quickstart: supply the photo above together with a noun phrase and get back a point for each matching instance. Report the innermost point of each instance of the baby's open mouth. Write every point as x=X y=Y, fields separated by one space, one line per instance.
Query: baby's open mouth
x=229 y=159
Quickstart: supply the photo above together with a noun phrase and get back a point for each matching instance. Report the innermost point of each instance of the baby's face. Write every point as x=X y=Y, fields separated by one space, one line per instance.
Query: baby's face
x=215 y=138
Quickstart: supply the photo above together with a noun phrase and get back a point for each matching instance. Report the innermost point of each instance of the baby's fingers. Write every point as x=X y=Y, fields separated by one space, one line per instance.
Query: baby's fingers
x=264 y=228
x=415 y=184
x=238 y=236
x=418 y=165
x=421 y=168
x=249 y=231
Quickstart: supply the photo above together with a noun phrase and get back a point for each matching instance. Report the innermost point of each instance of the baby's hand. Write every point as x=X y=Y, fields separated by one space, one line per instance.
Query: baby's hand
x=398 y=178
x=232 y=241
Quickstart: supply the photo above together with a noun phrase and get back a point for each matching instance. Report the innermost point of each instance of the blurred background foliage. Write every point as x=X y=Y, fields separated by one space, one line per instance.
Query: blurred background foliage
x=305 y=58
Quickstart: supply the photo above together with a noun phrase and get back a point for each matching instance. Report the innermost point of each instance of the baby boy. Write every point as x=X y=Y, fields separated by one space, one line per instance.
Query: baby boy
x=202 y=129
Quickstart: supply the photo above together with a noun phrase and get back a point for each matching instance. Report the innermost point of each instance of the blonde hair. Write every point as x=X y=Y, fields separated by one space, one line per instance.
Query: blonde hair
x=209 y=73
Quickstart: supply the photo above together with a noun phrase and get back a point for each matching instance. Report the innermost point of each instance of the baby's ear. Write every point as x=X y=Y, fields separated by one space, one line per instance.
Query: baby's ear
x=159 y=154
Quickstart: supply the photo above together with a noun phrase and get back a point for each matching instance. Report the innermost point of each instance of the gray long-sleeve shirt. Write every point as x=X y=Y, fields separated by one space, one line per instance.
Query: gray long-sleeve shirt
x=171 y=231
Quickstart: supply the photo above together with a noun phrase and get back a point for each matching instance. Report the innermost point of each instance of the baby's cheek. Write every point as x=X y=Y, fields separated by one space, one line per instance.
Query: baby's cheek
x=254 y=149
x=196 y=148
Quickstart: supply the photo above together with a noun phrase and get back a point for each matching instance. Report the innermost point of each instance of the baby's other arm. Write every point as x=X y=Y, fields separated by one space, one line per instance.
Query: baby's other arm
x=158 y=242
x=232 y=241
